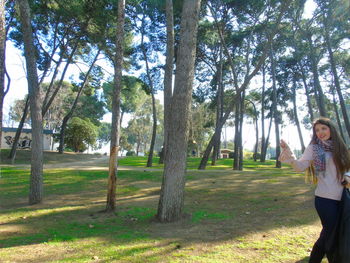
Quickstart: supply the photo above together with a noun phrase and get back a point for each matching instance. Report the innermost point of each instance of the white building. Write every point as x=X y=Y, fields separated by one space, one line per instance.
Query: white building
x=25 y=140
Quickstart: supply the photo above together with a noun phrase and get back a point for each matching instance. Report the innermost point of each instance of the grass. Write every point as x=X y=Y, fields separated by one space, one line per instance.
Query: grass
x=50 y=157
x=261 y=214
x=193 y=163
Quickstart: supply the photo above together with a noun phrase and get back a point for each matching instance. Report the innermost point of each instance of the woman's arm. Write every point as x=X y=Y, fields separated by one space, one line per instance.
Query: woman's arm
x=299 y=165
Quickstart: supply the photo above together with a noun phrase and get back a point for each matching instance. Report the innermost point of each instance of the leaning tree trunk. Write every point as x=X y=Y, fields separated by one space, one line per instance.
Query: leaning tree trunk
x=171 y=200
x=116 y=128
x=335 y=106
x=154 y=110
x=336 y=78
x=307 y=93
x=320 y=96
x=36 y=174
x=71 y=111
x=296 y=119
x=168 y=73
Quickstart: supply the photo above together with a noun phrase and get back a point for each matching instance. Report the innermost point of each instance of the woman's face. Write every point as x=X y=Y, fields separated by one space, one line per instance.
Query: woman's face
x=322 y=132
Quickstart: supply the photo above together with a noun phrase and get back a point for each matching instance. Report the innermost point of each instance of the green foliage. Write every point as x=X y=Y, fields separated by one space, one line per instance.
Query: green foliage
x=80 y=134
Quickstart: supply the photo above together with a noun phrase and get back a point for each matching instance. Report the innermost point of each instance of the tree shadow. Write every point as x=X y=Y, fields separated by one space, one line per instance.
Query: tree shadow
x=223 y=207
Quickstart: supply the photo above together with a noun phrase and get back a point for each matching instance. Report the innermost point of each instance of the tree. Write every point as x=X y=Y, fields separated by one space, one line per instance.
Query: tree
x=115 y=131
x=80 y=134
x=36 y=179
x=2 y=60
x=168 y=72
x=171 y=200
x=85 y=80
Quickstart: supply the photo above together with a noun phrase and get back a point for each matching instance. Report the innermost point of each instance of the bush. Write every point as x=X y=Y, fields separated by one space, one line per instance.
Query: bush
x=130 y=153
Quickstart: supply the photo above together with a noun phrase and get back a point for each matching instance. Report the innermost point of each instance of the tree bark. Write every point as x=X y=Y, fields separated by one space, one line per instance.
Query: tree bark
x=168 y=73
x=171 y=200
x=2 y=61
x=36 y=174
x=115 y=131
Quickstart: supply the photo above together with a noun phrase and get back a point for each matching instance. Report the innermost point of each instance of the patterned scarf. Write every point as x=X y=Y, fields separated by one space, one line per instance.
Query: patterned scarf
x=319 y=154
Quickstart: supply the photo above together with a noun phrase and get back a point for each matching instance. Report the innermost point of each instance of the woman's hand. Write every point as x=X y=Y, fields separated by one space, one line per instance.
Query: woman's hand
x=283 y=144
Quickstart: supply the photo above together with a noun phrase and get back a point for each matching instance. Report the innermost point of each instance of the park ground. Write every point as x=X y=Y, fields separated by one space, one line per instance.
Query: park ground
x=261 y=214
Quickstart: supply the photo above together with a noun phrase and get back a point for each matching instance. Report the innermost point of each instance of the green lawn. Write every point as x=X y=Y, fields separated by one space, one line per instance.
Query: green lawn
x=193 y=163
x=260 y=215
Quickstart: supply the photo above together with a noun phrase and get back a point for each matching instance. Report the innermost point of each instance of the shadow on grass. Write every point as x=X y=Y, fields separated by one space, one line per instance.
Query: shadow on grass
x=223 y=207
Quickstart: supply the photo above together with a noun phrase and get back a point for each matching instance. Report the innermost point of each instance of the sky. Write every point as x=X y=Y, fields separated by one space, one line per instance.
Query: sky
x=15 y=65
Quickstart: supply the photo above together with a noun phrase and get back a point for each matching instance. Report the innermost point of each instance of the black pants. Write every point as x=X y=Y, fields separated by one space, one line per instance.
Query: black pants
x=328 y=211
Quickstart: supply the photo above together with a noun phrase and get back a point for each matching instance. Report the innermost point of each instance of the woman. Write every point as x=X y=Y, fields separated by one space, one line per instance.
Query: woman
x=326 y=160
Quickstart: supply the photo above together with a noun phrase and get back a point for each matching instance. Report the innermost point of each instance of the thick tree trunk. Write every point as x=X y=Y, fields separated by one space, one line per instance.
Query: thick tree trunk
x=171 y=200
x=296 y=119
x=2 y=61
x=115 y=131
x=168 y=73
x=71 y=111
x=36 y=174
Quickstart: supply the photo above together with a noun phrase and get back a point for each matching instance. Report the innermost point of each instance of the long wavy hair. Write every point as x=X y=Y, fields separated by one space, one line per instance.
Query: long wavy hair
x=341 y=155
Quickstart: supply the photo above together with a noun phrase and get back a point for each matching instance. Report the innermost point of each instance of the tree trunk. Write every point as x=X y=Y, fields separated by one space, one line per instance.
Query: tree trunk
x=12 y=154
x=48 y=101
x=154 y=132
x=2 y=61
x=115 y=131
x=307 y=93
x=255 y=120
x=296 y=119
x=320 y=96
x=71 y=111
x=36 y=173
x=237 y=146
x=263 y=115
x=168 y=72
x=240 y=164
x=335 y=106
x=336 y=77
x=154 y=110
x=274 y=107
x=171 y=200
x=219 y=112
